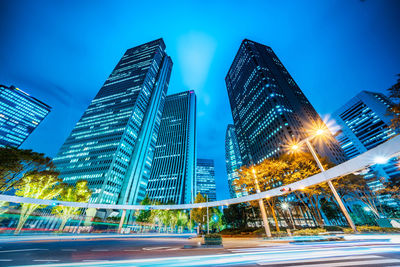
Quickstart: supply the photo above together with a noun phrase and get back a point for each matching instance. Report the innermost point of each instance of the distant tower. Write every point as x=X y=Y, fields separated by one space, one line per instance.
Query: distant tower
x=113 y=143
x=205 y=179
x=233 y=159
x=268 y=107
x=365 y=124
x=20 y=114
x=173 y=171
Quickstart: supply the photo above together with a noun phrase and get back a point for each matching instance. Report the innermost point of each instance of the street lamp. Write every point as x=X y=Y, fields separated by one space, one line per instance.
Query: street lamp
x=262 y=207
x=295 y=147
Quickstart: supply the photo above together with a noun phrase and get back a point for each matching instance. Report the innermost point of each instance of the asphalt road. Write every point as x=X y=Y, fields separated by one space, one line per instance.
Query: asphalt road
x=171 y=252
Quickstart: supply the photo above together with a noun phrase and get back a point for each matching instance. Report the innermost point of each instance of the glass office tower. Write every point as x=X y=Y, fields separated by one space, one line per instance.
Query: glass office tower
x=268 y=108
x=205 y=179
x=364 y=123
x=20 y=114
x=173 y=171
x=112 y=145
x=233 y=159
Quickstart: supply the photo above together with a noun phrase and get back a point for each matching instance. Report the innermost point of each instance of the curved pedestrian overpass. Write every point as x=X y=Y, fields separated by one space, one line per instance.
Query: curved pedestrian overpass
x=387 y=150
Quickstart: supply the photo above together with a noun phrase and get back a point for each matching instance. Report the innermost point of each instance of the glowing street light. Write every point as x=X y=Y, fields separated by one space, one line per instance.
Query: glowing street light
x=285 y=206
x=321 y=132
x=380 y=160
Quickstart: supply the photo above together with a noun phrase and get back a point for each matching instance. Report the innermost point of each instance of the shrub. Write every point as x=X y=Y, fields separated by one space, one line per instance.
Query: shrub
x=213 y=239
x=377 y=229
x=333 y=228
x=309 y=231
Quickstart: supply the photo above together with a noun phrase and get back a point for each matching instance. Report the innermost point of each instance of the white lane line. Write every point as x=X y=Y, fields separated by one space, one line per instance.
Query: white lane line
x=332 y=258
x=173 y=249
x=95 y=260
x=352 y=263
x=5 y=260
x=154 y=248
x=68 y=249
x=22 y=250
x=131 y=249
x=46 y=260
x=99 y=250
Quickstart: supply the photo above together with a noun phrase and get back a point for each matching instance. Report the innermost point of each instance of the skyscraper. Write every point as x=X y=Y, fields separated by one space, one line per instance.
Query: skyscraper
x=20 y=114
x=173 y=170
x=113 y=143
x=205 y=179
x=233 y=159
x=268 y=107
x=364 y=124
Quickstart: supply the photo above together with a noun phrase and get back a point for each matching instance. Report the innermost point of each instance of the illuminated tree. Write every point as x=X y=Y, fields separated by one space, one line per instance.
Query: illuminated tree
x=394 y=95
x=299 y=167
x=77 y=193
x=269 y=174
x=39 y=185
x=14 y=163
x=182 y=219
x=144 y=215
x=3 y=207
x=355 y=187
x=199 y=214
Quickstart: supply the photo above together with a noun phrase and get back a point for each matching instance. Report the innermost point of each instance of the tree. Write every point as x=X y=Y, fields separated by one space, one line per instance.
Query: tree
x=394 y=95
x=145 y=215
x=39 y=185
x=183 y=219
x=14 y=163
x=235 y=216
x=355 y=187
x=198 y=214
x=299 y=167
x=78 y=193
x=3 y=207
x=266 y=175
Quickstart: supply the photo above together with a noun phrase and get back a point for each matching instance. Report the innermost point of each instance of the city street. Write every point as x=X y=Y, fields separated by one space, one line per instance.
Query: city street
x=166 y=251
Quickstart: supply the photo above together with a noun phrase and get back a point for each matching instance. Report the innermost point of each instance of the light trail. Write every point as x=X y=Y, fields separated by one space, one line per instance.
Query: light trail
x=311 y=253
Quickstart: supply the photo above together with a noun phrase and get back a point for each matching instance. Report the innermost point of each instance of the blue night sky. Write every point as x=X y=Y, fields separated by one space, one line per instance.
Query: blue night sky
x=61 y=52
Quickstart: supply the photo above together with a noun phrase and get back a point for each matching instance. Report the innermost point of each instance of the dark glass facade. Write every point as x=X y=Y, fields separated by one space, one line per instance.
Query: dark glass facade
x=113 y=143
x=233 y=160
x=20 y=114
x=205 y=179
x=174 y=165
x=268 y=108
x=364 y=123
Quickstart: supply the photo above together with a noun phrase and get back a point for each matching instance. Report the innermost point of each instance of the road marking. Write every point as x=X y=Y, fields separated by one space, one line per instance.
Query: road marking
x=99 y=249
x=352 y=263
x=95 y=260
x=22 y=250
x=46 y=260
x=365 y=259
x=131 y=249
x=5 y=260
x=173 y=248
x=68 y=249
x=154 y=248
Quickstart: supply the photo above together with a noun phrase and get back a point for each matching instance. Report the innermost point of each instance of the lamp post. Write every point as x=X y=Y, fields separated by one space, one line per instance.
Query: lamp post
x=208 y=224
x=335 y=194
x=262 y=207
